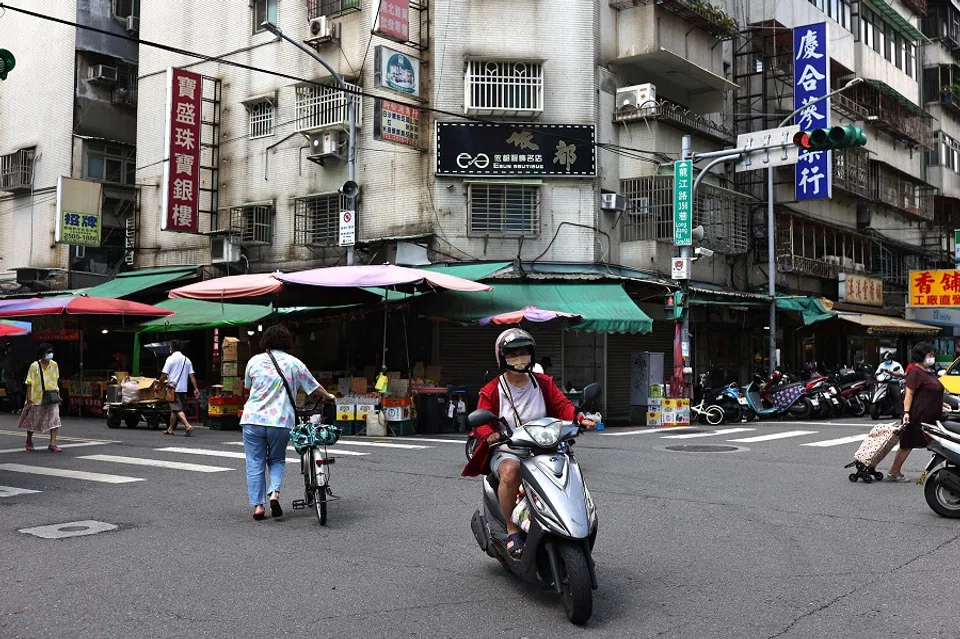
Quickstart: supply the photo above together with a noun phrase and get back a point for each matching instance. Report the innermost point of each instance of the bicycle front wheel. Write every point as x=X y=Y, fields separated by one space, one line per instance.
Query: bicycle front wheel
x=320 y=479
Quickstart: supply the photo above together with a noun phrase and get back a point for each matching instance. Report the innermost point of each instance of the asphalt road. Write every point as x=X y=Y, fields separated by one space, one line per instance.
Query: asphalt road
x=771 y=540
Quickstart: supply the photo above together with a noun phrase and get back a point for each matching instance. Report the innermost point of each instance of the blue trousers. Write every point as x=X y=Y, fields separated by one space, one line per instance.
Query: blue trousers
x=266 y=450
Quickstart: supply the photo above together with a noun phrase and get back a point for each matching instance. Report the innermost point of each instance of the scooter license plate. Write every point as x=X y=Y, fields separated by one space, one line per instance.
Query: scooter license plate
x=815 y=402
x=743 y=401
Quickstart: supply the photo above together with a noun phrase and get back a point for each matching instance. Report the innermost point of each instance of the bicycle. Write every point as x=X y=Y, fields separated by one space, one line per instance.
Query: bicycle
x=310 y=439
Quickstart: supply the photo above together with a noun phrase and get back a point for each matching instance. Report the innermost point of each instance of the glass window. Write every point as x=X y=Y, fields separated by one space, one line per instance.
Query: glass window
x=95 y=167
x=260 y=117
x=263 y=11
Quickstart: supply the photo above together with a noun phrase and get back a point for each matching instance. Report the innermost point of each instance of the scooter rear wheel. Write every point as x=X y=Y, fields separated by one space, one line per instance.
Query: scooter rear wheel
x=577 y=591
x=941 y=499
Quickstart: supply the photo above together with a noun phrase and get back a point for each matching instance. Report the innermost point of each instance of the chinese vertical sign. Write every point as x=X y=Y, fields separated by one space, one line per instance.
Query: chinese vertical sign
x=683 y=202
x=811 y=80
x=78 y=212
x=395 y=122
x=859 y=289
x=393 y=20
x=181 y=173
x=956 y=247
x=935 y=288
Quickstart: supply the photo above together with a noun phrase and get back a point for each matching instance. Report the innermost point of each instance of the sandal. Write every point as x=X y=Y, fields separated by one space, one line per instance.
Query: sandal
x=275 y=509
x=53 y=448
x=259 y=515
x=517 y=548
x=896 y=478
x=188 y=432
x=29 y=446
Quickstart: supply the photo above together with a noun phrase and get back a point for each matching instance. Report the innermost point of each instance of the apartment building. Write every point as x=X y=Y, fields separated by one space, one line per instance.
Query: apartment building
x=68 y=109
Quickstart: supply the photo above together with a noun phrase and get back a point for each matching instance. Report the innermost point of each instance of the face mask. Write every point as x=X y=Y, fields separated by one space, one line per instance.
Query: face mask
x=518 y=362
x=930 y=361
x=48 y=356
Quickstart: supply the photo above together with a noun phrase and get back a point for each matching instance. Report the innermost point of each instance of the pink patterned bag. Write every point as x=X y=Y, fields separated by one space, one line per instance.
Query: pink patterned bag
x=878 y=444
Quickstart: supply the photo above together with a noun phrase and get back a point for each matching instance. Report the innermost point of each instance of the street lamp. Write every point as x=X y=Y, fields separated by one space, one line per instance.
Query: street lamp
x=771 y=223
x=349 y=189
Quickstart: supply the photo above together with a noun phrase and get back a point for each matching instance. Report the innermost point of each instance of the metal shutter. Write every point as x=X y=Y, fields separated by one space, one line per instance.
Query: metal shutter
x=620 y=348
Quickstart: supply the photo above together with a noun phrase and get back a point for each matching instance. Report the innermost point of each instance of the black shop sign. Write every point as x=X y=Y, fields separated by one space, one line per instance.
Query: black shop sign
x=471 y=149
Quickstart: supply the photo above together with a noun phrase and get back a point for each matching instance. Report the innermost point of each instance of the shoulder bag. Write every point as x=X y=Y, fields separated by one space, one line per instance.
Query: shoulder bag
x=172 y=388
x=48 y=397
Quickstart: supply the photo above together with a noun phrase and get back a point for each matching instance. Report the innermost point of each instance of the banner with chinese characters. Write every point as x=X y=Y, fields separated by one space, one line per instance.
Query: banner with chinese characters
x=397 y=71
x=393 y=20
x=858 y=289
x=181 y=171
x=471 y=149
x=398 y=123
x=683 y=203
x=811 y=80
x=79 y=217
x=934 y=288
x=53 y=328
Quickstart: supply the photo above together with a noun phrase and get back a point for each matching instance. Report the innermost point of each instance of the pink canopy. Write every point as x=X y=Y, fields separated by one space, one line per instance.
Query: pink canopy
x=8 y=330
x=80 y=305
x=231 y=287
x=529 y=314
x=380 y=276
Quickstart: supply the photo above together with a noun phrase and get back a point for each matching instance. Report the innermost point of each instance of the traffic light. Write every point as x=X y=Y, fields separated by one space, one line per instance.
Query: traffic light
x=674 y=306
x=836 y=137
x=7 y=62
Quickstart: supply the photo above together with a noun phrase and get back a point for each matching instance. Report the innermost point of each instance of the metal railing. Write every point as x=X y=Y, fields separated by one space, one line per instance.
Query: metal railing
x=330 y=8
x=666 y=111
x=124 y=96
x=851 y=171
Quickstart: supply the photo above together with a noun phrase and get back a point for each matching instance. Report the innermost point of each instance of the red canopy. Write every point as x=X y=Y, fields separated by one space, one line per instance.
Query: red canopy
x=80 y=305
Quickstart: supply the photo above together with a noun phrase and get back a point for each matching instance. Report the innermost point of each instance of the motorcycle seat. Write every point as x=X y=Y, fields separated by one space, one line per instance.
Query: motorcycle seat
x=953 y=427
x=493 y=481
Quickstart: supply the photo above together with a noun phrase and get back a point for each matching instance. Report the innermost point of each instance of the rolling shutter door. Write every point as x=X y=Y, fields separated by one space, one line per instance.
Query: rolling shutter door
x=620 y=349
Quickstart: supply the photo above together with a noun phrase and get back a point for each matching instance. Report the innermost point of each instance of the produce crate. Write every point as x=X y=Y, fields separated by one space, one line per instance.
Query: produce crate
x=406 y=427
x=225 y=422
x=350 y=427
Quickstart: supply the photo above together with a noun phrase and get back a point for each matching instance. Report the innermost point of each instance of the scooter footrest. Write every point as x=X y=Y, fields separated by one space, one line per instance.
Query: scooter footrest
x=299 y=504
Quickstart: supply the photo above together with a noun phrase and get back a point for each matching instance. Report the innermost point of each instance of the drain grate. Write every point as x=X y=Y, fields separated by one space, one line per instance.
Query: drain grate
x=702 y=448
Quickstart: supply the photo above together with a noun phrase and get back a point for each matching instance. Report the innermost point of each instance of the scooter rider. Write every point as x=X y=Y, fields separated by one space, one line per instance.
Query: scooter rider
x=518 y=396
x=890 y=365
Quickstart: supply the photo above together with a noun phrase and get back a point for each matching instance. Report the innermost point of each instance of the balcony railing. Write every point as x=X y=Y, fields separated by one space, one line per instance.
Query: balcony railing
x=666 y=111
x=887 y=110
x=903 y=193
x=917 y=6
x=851 y=171
x=699 y=13
x=788 y=263
x=124 y=96
x=16 y=171
x=331 y=8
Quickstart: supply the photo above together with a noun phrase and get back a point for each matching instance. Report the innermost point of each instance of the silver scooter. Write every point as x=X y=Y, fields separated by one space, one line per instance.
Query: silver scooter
x=562 y=515
x=941 y=488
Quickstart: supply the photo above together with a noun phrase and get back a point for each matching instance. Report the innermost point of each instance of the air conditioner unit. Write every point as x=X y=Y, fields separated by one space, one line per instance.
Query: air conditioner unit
x=321 y=29
x=612 y=202
x=102 y=73
x=223 y=251
x=133 y=24
x=635 y=97
x=324 y=144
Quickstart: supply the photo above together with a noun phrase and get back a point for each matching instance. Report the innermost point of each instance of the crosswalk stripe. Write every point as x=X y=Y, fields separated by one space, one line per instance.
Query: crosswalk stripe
x=783 y=435
x=646 y=430
x=156 y=463
x=424 y=439
x=334 y=452
x=70 y=474
x=722 y=431
x=11 y=491
x=77 y=445
x=19 y=433
x=837 y=442
x=383 y=445
x=232 y=454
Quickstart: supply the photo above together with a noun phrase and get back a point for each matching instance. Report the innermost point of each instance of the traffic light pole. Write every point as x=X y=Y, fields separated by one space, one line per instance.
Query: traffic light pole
x=686 y=153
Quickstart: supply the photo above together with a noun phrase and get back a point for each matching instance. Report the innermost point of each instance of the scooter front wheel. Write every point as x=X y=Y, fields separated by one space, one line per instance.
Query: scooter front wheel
x=577 y=591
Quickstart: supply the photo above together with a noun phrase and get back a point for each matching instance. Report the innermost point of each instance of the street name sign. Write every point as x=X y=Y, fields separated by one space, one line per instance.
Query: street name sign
x=771 y=148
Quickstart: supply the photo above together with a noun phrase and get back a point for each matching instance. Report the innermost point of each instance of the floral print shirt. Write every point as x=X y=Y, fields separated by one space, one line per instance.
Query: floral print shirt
x=268 y=404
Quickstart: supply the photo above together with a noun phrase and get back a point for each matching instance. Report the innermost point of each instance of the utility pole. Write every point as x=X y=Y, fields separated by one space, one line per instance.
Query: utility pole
x=350 y=189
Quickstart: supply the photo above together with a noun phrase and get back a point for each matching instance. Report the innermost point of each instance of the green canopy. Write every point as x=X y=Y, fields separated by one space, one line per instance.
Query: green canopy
x=811 y=308
x=605 y=307
x=135 y=281
x=194 y=315
x=472 y=272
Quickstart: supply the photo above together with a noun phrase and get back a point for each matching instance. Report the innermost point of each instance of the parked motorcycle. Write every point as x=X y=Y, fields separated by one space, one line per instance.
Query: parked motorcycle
x=562 y=514
x=887 y=395
x=941 y=489
x=772 y=398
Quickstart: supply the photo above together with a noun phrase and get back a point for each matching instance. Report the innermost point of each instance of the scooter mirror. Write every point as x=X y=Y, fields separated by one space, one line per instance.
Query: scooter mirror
x=591 y=393
x=480 y=417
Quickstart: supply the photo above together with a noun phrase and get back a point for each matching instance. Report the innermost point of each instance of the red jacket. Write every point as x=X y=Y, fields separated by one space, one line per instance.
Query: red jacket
x=556 y=402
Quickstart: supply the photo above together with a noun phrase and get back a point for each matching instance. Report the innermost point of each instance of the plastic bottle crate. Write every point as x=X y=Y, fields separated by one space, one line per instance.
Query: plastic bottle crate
x=226 y=422
x=405 y=427
x=350 y=428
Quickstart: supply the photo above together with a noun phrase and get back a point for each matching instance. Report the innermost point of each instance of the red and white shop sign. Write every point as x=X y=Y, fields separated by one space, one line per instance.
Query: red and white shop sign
x=181 y=171
x=393 y=20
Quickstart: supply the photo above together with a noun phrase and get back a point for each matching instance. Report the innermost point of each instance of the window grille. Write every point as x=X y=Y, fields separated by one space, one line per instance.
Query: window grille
x=506 y=88
x=333 y=8
x=319 y=107
x=317 y=219
x=504 y=209
x=253 y=224
x=16 y=170
x=260 y=118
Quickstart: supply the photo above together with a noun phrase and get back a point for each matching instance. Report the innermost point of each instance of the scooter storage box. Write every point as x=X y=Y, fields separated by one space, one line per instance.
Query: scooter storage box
x=878 y=444
x=847 y=375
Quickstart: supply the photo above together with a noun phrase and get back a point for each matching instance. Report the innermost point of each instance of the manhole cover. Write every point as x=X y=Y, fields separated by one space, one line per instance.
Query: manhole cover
x=702 y=448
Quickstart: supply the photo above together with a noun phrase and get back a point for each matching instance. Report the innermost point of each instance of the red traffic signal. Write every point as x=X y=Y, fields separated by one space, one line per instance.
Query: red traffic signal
x=802 y=140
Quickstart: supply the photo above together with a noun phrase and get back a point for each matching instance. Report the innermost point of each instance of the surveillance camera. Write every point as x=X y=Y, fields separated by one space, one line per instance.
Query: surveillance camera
x=702 y=251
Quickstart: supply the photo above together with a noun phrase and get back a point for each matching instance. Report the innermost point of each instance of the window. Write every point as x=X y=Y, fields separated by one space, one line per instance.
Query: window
x=16 y=170
x=116 y=163
x=910 y=59
x=263 y=11
x=321 y=107
x=504 y=209
x=317 y=219
x=503 y=88
x=253 y=223
x=123 y=9
x=260 y=118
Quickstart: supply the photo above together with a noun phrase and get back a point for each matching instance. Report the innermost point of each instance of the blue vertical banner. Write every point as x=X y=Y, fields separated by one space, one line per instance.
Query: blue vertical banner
x=811 y=80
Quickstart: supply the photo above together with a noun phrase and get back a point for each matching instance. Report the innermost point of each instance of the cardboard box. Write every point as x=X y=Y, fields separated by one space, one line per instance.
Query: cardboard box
x=233 y=350
x=654 y=402
x=363 y=410
x=149 y=389
x=433 y=374
x=654 y=418
x=397 y=413
x=358 y=384
x=231 y=369
x=346 y=412
x=233 y=385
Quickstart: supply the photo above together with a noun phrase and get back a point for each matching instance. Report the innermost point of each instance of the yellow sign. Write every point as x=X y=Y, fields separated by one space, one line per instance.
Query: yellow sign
x=935 y=288
x=80 y=228
x=858 y=289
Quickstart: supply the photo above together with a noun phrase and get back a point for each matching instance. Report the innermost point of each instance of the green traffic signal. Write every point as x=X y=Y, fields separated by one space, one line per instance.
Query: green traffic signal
x=7 y=62
x=836 y=137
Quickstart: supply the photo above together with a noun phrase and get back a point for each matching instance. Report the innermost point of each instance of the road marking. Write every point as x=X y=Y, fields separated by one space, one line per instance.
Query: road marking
x=838 y=442
x=783 y=435
x=384 y=445
x=722 y=431
x=646 y=430
x=69 y=529
x=71 y=474
x=77 y=445
x=10 y=491
x=425 y=439
x=331 y=451
x=19 y=433
x=233 y=454
x=156 y=463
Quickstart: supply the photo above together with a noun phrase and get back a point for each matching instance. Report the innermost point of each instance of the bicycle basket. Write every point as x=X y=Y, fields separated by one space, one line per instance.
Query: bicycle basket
x=302 y=438
x=328 y=435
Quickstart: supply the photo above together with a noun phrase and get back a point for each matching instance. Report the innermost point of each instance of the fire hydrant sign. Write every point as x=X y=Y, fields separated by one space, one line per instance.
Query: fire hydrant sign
x=935 y=288
x=683 y=202
x=348 y=228
x=181 y=171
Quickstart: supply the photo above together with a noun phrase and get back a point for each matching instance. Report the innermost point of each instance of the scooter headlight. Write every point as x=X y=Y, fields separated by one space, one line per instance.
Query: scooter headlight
x=546 y=436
